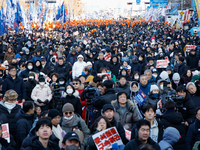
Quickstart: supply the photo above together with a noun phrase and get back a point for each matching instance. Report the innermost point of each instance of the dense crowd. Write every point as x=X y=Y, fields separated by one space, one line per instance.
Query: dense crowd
x=61 y=87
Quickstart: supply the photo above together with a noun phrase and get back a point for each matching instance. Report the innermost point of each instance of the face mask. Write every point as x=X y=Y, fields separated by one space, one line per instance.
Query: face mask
x=155 y=75
x=72 y=147
x=31 y=78
x=136 y=77
x=69 y=91
x=155 y=95
x=124 y=74
x=10 y=105
x=53 y=60
x=90 y=68
x=68 y=118
x=140 y=58
x=42 y=83
x=83 y=73
x=61 y=82
x=1 y=75
x=161 y=87
x=176 y=82
x=30 y=67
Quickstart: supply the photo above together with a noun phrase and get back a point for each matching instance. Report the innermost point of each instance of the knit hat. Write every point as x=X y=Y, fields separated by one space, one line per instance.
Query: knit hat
x=176 y=76
x=195 y=77
x=154 y=70
x=80 y=56
x=10 y=95
x=68 y=107
x=53 y=113
x=164 y=75
x=169 y=68
x=189 y=83
x=41 y=79
x=31 y=74
x=153 y=87
x=42 y=59
x=89 y=78
x=17 y=56
x=107 y=106
x=134 y=57
x=89 y=63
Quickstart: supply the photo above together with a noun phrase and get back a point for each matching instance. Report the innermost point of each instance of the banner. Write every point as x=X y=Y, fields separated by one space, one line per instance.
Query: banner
x=162 y=63
x=107 y=56
x=101 y=74
x=189 y=47
x=174 y=11
x=106 y=137
x=128 y=134
x=5 y=132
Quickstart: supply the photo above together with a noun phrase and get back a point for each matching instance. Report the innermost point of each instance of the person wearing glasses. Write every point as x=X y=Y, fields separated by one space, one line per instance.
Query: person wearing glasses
x=12 y=81
x=100 y=124
x=74 y=122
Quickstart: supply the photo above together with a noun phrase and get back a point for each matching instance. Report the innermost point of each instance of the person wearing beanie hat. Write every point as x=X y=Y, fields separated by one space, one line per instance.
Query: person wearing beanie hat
x=30 y=84
x=164 y=75
x=195 y=78
x=54 y=114
x=42 y=94
x=74 y=122
x=78 y=67
x=135 y=65
x=71 y=141
x=176 y=80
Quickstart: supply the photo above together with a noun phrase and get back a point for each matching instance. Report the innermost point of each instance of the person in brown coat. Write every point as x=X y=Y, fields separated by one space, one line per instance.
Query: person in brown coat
x=9 y=55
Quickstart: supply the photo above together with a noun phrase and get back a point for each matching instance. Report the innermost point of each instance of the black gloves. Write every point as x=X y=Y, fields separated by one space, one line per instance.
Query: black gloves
x=39 y=101
x=46 y=101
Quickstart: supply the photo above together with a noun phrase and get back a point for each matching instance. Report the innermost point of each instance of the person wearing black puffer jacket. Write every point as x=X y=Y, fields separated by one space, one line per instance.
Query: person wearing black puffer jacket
x=10 y=109
x=114 y=65
x=171 y=118
x=25 y=118
x=192 y=60
x=100 y=63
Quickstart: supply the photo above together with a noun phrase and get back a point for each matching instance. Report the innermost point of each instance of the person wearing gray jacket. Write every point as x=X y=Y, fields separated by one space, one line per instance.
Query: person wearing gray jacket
x=125 y=111
x=74 y=122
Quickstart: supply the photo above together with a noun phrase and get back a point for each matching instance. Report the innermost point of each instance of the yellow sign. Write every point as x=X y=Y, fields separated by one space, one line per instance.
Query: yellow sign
x=181 y=12
x=197 y=4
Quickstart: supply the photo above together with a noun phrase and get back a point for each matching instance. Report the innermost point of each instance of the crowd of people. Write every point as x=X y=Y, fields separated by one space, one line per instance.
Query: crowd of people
x=58 y=89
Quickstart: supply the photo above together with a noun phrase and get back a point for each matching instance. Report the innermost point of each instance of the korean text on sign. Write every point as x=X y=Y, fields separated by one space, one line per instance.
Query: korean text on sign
x=107 y=137
x=162 y=63
x=189 y=47
x=5 y=132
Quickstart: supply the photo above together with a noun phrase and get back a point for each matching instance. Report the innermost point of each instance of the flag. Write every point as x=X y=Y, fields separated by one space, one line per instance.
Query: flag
x=1 y=22
x=60 y=13
x=65 y=14
x=18 y=17
x=40 y=13
x=54 y=13
x=69 y=13
x=32 y=11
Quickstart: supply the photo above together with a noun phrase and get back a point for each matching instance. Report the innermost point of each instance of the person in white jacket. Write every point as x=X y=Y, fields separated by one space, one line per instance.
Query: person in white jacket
x=42 y=94
x=78 y=67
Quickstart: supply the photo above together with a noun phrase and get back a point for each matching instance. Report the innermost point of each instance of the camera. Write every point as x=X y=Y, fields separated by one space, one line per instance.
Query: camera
x=178 y=100
x=57 y=88
x=89 y=92
x=195 y=31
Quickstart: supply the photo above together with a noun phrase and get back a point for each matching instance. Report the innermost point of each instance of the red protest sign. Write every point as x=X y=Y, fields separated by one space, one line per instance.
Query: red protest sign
x=107 y=137
x=162 y=63
x=107 y=56
x=5 y=132
x=101 y=74
x=128 y=134
x=189 y=47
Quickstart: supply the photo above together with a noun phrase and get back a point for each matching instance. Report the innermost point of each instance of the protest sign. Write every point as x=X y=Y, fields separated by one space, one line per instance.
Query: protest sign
x=5 y=132
x=107 y=56
x=106 y=137
x=140 y=97
x=128 y=134
x=101 y=74
x=189 y=47
x=162 y=63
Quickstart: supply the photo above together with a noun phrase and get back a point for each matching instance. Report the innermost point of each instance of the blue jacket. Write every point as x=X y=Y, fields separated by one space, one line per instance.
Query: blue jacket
x=17 y=85
x=72 y=58
x=193 y=134
x=25 y=72
x=37 y=57
x=136 y=67
x=170 y=137
x=145 y=89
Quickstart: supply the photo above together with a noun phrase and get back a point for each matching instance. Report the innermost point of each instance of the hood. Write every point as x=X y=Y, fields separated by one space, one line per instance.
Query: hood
x=30 y=61
x=137 y=88
x=171 y=135
x=113 y=57
x=118 y=84
x=61 y=76
x=173 y=117
x=76 y=94
x=22 y=114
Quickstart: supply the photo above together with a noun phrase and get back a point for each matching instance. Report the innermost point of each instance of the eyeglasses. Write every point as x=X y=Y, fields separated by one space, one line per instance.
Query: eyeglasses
x=101 y=122
x=75 y=83
x=66 y=113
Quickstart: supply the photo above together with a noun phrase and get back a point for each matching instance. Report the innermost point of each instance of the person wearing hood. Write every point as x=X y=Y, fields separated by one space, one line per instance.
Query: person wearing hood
x=25 y=118
x=169 y=71
x=9 y=108
x=60 y=51
x=41 y=94
x=125 y=111
x=45 y=67
x=176 y=80
x=78 y=67
x=188 y=109
x=114 y=65
x=170 y=137
x=100 y=63
x=171 y=118
x=72 y=57
x=38 y=55
x=71 y=96
x=52 y=63
x=74 y=122
x=38 y=65
x=181 y=66
x=134 y=88
x=123 y=85
x=142 y=61
x=135 y=65
x=192 y=60
x=9 y=55
x=194 y=92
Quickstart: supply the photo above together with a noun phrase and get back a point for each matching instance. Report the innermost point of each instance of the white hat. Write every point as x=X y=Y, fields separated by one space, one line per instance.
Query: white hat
x=89 y=63
x=164 y=75
x=80 y=56
x=153 y=87
x=176 y=76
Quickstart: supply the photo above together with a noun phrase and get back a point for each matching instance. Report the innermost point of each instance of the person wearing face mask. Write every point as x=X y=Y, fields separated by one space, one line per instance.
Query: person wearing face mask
x=42 y=94
x=154 y=72
x=135 y=65
x=72 y=96
x=142 y=61
x=74 y=122
x=175 y=80
x=9 y=108
x=30 y=84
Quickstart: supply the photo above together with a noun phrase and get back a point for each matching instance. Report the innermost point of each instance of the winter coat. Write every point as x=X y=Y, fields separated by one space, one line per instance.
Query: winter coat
x=25 y=72
x=106 y=98
x=72 y=58
x=74 y=100
x=114 y=67
x=170 y=137
x=152 y=100
x=41 y=93
x=145 y=89
x=99 y=64
x=24 y=124
x=192 y=61
x=36 y=57
x=193 y=134
x=63 y=69
x=130 y=116
x=11 y=118
x=135 y=143
x=83 y=127
x=35 y=144
x=196 y=98
x=185 y=79
x=3 y=118
x=136 y=67
x=90 y=141
x=30 y=84
x=181 y=68
x=188 y=109
x=78 y=68
x=155 y=132
x=123 y=88
x=173 y=119
x=17 y=85
x=9 y=56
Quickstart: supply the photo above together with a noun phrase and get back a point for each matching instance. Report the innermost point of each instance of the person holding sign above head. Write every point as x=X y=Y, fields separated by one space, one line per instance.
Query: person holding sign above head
x=143 y=128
